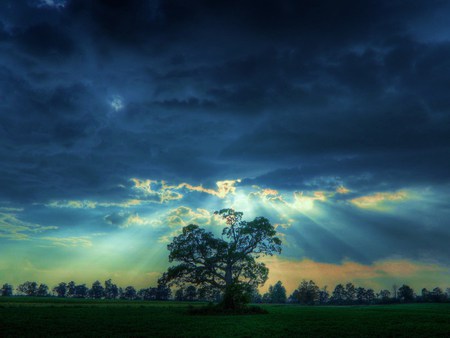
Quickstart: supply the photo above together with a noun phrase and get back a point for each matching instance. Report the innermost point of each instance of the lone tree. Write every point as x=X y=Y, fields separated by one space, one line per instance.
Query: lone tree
x=228 y=263
x=6 y=290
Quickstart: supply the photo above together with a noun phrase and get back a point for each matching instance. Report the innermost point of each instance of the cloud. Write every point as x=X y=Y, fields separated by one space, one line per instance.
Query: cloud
x=296 y=201
x=365 y=95
x=119 y=219
x=10 y=209
x=266 y=194
x=167 y=238
x=11 y=227
x=81 y=241
x=331 y=110
x=163 y=193
x=223 y=188
x=303 y=202
x=73 y=204
x=183 y=216
x=127 y=219
x=174 y=219
x=149 y=191
x=47 y=41
x=59 y=4
x=87 y=204
x=380 y=200
x=342 y=190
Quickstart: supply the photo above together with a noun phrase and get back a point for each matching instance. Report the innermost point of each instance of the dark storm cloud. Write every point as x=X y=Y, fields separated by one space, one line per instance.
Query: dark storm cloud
x=221 y=89
x=380 y=119
x=44 y=40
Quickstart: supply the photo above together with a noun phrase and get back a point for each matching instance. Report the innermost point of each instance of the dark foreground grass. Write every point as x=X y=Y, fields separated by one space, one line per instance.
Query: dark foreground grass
x=56 y=317
x=219 y=310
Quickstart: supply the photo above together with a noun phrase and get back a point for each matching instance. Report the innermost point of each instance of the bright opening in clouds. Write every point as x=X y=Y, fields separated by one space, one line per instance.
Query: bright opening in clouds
x=50 y=3
x=123 y=121
x=116 y=103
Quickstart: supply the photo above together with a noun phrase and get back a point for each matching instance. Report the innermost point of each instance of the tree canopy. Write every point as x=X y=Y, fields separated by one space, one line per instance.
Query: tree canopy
x=229 y=263
x=405 y=293
x=308 y=293
x=276 y=293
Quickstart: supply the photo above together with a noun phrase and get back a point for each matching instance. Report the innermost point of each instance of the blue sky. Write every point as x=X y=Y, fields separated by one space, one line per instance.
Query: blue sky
x=121 y=122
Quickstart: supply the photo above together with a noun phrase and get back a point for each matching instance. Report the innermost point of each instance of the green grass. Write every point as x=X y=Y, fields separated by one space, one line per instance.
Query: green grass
x=72 y=317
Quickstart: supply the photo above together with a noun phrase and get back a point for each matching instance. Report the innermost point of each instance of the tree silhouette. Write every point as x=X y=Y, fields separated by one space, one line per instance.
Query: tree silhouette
x=360 y=295
x=394 y=291
x=179 y=294
x=111 y=290
x=384 y=296
x=60 y=289
x=71 y=289
x=437 y=295
x=42 y=290
x=349 y=293
x=28 y=288
x=425 y=295
x=364 y=296
x=97 y=291
x=255 y=296
x=277 y=293
x=308 y=293
x=190 y=293
x=81 y=291
x=338 y=296
x=6 y=290
x=161 y=292
x=228 y=263
x=208 y=293
x=405 y=293
x=324 y=295
x=129 y=293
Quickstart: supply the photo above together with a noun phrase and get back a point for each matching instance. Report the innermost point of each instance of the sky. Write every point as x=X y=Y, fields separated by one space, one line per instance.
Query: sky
x=123 y=121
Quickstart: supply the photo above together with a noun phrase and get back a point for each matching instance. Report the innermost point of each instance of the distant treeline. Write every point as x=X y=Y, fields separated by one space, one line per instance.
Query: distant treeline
x=307 y=293
x=108 y=290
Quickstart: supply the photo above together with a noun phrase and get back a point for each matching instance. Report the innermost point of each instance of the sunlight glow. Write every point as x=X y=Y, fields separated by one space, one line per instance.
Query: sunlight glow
x=116 y=102
x=306 y=203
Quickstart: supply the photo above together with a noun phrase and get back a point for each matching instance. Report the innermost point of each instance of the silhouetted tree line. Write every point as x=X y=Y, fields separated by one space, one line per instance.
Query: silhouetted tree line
x=108 y=290
x=307 y=293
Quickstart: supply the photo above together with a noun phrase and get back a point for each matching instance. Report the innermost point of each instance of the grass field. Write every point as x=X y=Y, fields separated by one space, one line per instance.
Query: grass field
x=71 y=317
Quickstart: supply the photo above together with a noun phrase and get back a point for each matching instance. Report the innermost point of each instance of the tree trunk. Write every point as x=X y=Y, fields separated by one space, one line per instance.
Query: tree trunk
x=234 y=296
x=229 y=296
x=228 y=276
